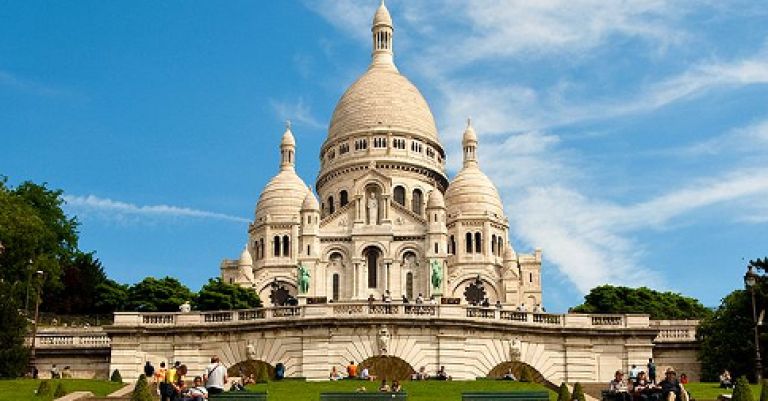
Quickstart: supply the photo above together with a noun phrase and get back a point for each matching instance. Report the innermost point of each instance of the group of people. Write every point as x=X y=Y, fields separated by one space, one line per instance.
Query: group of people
x=643 y=386
x=171 y=382
x=423 y=375
x=386 y=297
x=353 y=371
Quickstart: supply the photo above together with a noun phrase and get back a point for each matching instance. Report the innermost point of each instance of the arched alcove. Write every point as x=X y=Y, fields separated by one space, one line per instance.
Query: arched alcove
x=388 y=367
x=250 y=367
x=517 y=367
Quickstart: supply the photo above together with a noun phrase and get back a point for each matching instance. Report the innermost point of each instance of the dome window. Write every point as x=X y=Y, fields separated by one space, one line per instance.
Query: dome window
x=276 y=245
x=416 y=201
x=398 y=143
x=361 y=144
x=286 y=246
x=400 y=195
x=343 y=198
x=379 y=142
x=343 y=148
x=478 y=243
x=331 y=206
x=468 y=240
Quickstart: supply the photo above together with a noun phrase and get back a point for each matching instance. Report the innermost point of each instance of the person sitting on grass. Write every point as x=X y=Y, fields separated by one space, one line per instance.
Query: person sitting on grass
x=441 y=375
x=351 y=370
x=384 y=387
x=335 y=374
x=366 y=375
x=196 y=392
x=671 y=390
x=396 y=388
x=645 y=390
x=509 y=375
x=725 y=380
x=618 y=388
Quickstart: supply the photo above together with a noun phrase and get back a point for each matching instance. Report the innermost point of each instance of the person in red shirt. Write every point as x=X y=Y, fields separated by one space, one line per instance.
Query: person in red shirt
x=351 y=370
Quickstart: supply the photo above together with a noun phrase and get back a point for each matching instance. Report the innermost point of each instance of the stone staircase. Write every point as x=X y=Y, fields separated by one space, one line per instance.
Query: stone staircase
x=593 y=389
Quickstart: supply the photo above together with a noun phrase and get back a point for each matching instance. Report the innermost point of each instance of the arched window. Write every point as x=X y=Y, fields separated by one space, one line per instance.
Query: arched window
x=343 y=198
x=530 y=277
x=416 y=201
x=500 y=247
x=335 y=287
x=276 y=243
x=256 y=248
x=400 y=195
x=331 y=207
x=372 y=259
x=262 y=248
x=493 y=244
x=468 y=243
x=452 y=245
x=478 y=243
x=286 y=246
x=409 y=285
x=436 y=247
x=309 y=249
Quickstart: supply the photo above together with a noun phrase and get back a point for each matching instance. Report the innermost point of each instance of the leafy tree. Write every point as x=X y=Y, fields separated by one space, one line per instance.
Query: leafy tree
x=660 y=305
x=218 y=295
x=81 y=278
x=726 y=338
x=578 y=392
x=742 y=391
x=142 y=392
x=13 y=327
x=153 y=295
x=110 y=296
x=60 y=391
x=563 y=394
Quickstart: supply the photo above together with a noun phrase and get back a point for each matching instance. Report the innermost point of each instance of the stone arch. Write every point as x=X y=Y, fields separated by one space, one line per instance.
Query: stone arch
x=335 y=248
x=408 y=246
x=518 y=367
x=376 y=244
x=265 y=287
x=251 y=367
x=388 y=367
x=489 y=282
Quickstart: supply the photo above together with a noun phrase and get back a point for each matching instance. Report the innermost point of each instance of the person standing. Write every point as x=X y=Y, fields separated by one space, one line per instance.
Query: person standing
x=160 y=378
x=215 y=376
x=651 y=370
x=633 y=373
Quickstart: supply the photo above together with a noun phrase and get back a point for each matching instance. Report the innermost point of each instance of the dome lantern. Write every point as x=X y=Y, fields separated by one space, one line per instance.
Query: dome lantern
x=469 y=144
x=287 y=149
x=382 y=30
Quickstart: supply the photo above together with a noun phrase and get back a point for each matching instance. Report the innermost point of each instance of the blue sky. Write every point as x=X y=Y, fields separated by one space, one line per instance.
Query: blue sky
x=628 y=139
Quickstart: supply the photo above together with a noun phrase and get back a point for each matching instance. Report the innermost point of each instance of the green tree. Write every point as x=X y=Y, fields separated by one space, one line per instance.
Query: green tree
x=13 y=327
x=218 y=295
x=110 y=296
x=726 y=338
x=764 y=390
x=660 y=305
x=153 y=295
x=742 y=391
x=563 y=394
x=142 y=391
x=578 y=392
x=84 y=273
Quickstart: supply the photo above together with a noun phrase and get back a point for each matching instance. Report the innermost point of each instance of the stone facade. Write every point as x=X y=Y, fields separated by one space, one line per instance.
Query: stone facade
x=387 y=212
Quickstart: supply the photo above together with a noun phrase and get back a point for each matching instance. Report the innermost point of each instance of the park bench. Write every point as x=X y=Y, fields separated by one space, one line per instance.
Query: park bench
x=506 y=396
x=363 y=396
x=238 y=396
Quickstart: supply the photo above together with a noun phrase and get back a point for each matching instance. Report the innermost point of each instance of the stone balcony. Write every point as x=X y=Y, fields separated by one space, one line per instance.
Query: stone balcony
x=383 y=311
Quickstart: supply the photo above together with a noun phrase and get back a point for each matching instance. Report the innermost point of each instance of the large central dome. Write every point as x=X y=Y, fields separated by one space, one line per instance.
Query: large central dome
x=381 y=98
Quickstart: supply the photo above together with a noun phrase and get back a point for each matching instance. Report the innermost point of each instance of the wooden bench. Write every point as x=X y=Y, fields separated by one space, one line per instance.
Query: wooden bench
x=505 y=396
x=363 y=396
x=238 y=396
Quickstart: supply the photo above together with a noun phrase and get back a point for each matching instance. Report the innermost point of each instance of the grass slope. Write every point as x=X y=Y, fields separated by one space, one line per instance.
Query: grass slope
x=24 y=389
x=417 y=390
x=710 y=391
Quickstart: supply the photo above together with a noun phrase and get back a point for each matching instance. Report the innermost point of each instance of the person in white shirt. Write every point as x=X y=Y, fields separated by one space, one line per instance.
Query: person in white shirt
x=197 y=392
x=215 y=376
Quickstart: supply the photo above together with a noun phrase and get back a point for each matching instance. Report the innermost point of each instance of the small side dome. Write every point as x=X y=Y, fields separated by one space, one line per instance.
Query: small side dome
x=288 y=139
x=245 y=258
x=282 y=197
x=382 y=16
x=436 y=200
x=471 y=192
x=310 y=201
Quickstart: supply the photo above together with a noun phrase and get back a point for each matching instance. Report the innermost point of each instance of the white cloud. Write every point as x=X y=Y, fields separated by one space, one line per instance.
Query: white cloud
x=117 y=210
x=297 y=112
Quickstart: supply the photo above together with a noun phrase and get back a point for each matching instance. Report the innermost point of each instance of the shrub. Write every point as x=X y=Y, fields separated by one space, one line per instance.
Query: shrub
x=262 y=375
x=563 y=394
x=142 y=392
x=60 y=391
x=742 y=392
x=578 y=393
x=764 y=390
x=116 y=377
x=526 y=375
x=44 y=389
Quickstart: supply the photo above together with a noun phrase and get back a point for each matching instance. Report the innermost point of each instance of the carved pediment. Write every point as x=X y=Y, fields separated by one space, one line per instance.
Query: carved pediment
x=372 y=175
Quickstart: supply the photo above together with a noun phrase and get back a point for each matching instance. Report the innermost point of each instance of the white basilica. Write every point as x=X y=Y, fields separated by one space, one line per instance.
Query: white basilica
x=388 y=218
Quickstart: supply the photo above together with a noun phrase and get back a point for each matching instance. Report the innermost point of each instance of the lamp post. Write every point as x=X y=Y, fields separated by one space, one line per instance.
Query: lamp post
x=38 y=276
x=750 y=279
x=29 y=282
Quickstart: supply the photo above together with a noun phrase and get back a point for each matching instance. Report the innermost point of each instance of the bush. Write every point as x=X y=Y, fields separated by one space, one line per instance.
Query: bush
x=44 y=389
x=262 y=375
x=578 y=393
x=764 y=390
x=142 y=392
x=742 y=392
x=60 y=391
x=116 y=377
x=563 y=394
x=526 y=375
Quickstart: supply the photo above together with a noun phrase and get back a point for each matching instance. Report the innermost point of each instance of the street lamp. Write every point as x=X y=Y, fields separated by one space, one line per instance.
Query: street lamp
x=39 y=276
x=750 y=279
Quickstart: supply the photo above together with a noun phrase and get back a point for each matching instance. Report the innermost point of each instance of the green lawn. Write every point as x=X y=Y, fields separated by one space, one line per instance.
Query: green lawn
x=429 y=390
x=24 y=389
x=710 y=391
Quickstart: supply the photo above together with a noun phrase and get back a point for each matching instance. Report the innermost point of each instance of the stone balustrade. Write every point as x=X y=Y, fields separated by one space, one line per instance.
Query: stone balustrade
x=675 y=331
x=71 y=338
x=357 y=310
